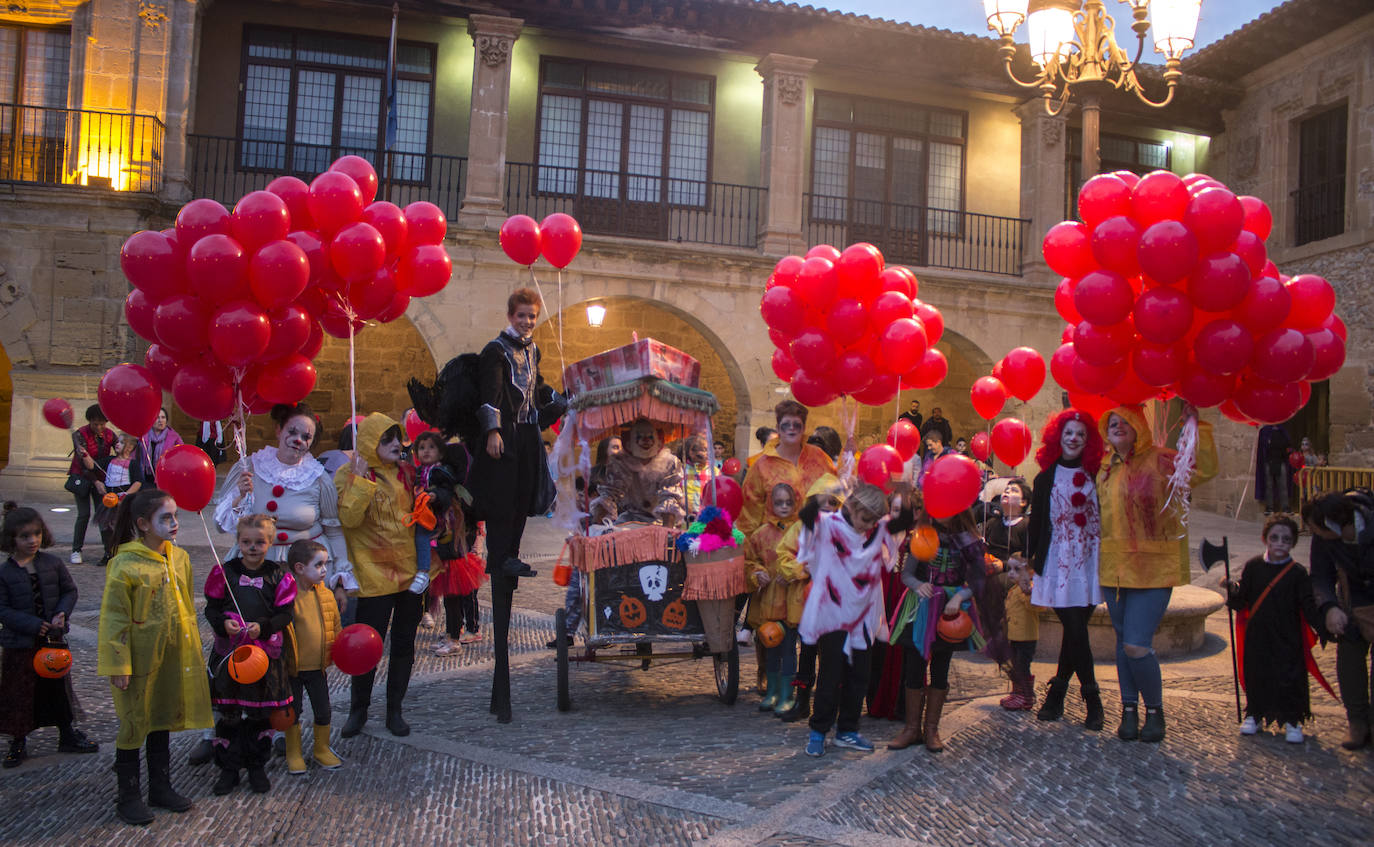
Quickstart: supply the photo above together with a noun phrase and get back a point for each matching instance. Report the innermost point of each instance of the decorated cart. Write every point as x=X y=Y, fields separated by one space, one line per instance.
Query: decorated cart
x=644 y=601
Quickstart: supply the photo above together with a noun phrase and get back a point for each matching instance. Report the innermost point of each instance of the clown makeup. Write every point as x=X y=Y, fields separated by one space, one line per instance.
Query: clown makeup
x=389 y=450
x=161 y=527
x=311 y=573
x=1072 y=439
x=1120 y=434
x=783 y=501
x=253 y=544
x=293 y=439
x=1278 y=544
x=790 y=430
x=644 y=440
x=830 y=503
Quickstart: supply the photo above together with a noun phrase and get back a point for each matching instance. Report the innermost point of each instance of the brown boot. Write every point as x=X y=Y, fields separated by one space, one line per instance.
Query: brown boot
x=935 y=704
x=912 y=732
x=761 y=658
x=1357 y=736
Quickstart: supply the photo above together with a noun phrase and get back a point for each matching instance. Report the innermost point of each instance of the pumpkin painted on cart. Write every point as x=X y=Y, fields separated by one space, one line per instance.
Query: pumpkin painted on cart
x=52 y=662
x=247 y=664
x=632 y=612
x=675 y=615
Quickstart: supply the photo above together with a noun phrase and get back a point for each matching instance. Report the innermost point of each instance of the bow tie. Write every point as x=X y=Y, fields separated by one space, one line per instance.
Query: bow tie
x=254 y=581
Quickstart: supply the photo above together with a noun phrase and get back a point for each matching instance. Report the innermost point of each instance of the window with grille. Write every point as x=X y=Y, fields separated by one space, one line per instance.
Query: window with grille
x=310 y=97
x=1319 y=201
x=1117 y=153
x=893 y=166
x=626 y=134
x=34 y=73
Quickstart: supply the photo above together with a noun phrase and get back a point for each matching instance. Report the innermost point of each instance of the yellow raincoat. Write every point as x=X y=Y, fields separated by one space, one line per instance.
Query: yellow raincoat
x=372 y=510
x=148 y=631
x=768 y=603
x=771 y=469
x=1144 y=536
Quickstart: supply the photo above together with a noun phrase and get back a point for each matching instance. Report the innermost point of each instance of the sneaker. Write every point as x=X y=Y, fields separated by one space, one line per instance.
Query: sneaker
x=853 y=741
x=1292 y=733
x=1250 y=727
x=447 y=648
x=76 y=557
x=744 y=636
x=418 y=584
x=427 y=621
x=815 y=744
x=474 y=637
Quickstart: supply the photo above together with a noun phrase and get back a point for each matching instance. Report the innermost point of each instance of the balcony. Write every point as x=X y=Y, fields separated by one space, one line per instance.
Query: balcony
x=634 y=206
x=919 y=235
x=225 y=168
x=111 y=150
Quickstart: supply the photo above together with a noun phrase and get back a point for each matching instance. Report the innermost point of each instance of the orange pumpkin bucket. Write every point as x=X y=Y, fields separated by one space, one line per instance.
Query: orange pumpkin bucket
x=924 y=544
x=770 y=634
x=954 y=628
x=247 y=664
x=52 y=662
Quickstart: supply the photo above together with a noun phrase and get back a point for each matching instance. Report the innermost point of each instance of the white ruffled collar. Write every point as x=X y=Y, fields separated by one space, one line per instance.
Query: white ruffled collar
x=294 y=477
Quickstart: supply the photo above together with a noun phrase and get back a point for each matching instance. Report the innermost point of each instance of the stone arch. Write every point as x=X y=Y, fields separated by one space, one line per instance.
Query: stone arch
x=673 y=325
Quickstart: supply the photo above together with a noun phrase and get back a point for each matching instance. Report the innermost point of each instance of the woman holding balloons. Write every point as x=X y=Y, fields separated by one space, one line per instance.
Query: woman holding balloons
x=1144 y=552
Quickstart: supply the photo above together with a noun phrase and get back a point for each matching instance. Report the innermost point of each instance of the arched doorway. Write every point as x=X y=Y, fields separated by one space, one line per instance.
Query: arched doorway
x=627 y=316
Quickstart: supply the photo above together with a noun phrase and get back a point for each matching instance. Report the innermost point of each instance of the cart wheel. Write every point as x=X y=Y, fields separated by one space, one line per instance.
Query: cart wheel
x=560 y=620
x=727 y=675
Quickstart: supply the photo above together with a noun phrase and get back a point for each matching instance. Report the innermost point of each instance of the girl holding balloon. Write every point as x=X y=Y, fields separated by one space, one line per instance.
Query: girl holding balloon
x=124 y=475
x=150 y=649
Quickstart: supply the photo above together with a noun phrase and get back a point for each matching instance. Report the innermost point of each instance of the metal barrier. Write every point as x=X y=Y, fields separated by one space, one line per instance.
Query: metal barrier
x=1313 y=482
x=111 y=150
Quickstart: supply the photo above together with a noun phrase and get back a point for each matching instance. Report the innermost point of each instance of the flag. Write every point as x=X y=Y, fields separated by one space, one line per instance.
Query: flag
x=391 y=120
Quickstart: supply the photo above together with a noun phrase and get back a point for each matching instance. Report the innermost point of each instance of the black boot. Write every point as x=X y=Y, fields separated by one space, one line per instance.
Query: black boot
x=1153 y=730
x=1053 y=707
x=396 y=724
x=160 y=791
x=357 y=709
x=801 y=710
x=129 y=805
x=1092 y=699
x=1130 y=723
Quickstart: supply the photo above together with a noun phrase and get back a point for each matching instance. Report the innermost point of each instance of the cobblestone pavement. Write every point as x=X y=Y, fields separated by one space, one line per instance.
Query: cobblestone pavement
x=653 y=757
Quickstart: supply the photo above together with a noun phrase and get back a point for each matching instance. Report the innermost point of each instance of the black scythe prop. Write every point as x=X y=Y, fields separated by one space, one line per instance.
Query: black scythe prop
x=1211 y=554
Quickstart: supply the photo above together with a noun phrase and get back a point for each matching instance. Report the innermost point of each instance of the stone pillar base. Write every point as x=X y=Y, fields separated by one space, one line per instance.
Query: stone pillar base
x=482 y=213
x=781 y=243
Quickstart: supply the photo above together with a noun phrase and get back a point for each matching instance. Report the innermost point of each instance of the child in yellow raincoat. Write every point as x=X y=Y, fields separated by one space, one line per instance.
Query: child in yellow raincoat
x=768 y=603
x=150 y=649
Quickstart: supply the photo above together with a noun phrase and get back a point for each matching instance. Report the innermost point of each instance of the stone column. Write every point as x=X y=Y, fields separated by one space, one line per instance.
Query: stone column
x=1043 y=178
x=484 y=200
x=182 y=60
x=783 y=154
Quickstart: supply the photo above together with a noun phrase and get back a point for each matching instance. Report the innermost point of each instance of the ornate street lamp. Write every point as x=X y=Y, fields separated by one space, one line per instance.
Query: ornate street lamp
x=1074 y=49
x=596 y=315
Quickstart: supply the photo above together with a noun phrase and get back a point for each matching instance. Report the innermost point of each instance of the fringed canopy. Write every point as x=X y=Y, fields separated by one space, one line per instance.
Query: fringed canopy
x=678 y=409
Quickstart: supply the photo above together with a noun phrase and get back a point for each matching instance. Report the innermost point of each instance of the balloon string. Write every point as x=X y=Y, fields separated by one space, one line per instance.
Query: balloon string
x=897 y=404
x=213 y=552
x=559 y=337
x=352 y=380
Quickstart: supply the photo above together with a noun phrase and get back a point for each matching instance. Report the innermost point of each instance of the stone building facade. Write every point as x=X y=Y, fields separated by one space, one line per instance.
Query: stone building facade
x=697 y=142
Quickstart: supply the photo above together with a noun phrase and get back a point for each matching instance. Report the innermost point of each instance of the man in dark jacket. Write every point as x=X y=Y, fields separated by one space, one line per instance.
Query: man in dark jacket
x=913 y=415
x=938 y=423
x=510 y=474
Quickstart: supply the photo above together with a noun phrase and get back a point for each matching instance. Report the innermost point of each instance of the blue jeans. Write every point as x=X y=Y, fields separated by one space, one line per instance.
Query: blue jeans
x=783 y=658
x=422 y=548
x=1136 y=613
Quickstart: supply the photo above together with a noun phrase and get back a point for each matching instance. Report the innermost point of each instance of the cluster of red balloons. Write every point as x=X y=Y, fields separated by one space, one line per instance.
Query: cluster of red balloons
x=1168 y=290
x=843 y=323
x=558 y=238
x=237 y=304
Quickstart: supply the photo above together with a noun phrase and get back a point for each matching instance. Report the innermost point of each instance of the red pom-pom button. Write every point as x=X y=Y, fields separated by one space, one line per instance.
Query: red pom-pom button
x=1078 y=499
x=278 y=490
x=1078 y=479
x=1080 y=519
x=271 y=505
x=281 y=536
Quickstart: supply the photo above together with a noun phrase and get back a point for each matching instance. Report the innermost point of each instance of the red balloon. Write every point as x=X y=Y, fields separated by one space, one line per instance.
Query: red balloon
x=1131 y=389
x=186 y=473
x=858 y=268
x=1095 y=379
x=182 y=323
x=900 y=279
x=1336 y=325
x=1094 y=404
x=163 y=364
x=311 y=348
x=357 y=251
x=1219 y=283
x=1101 y=197
x=1011 y=441
x=290 y=327
x=929 y=373
x=58 y=412
x=1265 y=306
x=1158 y=196
x=823 y=251
x=258 y=218
x=278 y=273
x=1223 y=347
x=1283 y=355
x=1328 y=354
x=817 y=283
x=390 y=221
x=362 y=172
x=1102 y=345
x=310 y=244
x=414 y=426
x=239 y=333
x=811 y=390
x=1251 y=251
x=1061 y=366
x=357 y=649
x=950 y=486
x=1163 y=315
x=852 y=373
x=724 y=492
x=931 y=319
x=1103 y=297
x=783 y=311
x=881 y=391
x=1202 y=388
x=423 y=271
x=1023 y=373
x=560 y=239
x=151 y=264
x=980 y=445
x=847 y=322
x=287 y=380
x=1158 y=365
x=1127 y=177
x=371 y=295
x=988 y=396
x=337 y=322
x=335 y=201
x=1229 y=409
x=204 y=390
x=140 y=312
x=1063 y=301
x=1215 y=216
x=313 y=300
x=520 y=238
x=905 y=438
x=296 y=195
x=731 y=467
x=1267 y=402
x=397 y=307
x=786 y=270
x=1313 y=300
x=903 y=344
x=427 y=224
x=1167 y=251
x=813 y=351
x=878 y=464
x=1114 y=243
x=1067 y=250
x=218 y=269
x=887 y=307
x=198 y=219
x=1258 y=220
x=783 y=366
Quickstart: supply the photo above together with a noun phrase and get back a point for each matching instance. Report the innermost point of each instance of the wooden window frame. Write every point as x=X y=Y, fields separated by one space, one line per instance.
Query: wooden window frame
x=1307 y=229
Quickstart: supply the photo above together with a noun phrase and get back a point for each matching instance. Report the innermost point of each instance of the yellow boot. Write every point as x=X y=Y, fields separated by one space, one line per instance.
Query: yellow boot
x=324 y=757
x=295 y=760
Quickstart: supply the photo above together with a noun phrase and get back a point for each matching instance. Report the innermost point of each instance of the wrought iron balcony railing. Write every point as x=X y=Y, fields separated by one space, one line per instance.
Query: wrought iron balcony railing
x=111 y=150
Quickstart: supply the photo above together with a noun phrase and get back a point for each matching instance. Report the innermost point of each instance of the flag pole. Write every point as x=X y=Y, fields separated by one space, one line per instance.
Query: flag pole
x=389 y=134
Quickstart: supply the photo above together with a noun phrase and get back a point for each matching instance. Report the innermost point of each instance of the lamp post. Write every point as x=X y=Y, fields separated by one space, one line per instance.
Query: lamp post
x=1074 y=49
